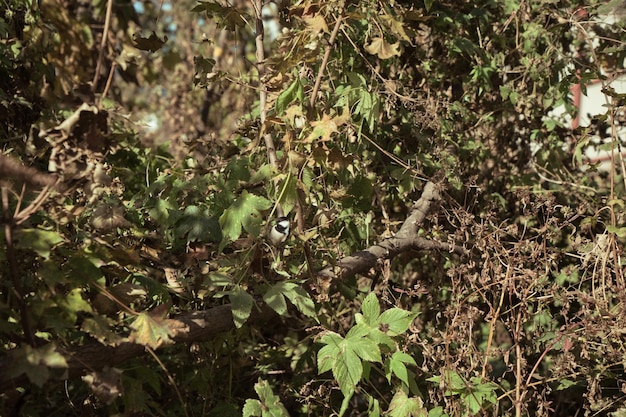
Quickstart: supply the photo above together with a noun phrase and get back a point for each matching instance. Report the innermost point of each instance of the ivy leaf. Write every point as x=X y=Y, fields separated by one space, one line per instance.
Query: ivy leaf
x=244 y=213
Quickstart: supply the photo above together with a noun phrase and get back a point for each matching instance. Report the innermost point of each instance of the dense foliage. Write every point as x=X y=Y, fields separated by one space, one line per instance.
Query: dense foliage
x=453 y=250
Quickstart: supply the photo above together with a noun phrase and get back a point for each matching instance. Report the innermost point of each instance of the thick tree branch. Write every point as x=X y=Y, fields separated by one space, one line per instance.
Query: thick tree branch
x=202 y=325
x=191 y=327
x=405 y=240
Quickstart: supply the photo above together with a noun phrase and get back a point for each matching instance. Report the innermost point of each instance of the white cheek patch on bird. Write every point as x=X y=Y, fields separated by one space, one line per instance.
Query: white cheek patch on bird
x=279 y=233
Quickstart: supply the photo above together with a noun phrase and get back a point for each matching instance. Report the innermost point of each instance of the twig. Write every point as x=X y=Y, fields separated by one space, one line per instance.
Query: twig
x=260 y=65
x=320 y=73
x=405 y=240
x=103 y=42
x=17 y=289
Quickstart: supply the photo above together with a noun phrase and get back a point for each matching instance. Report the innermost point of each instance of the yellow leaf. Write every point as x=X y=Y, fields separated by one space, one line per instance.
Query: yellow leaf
x=322 y=129
x=397 y=28
x=383 y=49
x=150 y=331
x=316 y=23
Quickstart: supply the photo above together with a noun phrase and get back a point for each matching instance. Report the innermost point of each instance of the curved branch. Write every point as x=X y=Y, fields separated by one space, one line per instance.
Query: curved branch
x=202 y=325
x=405 y=240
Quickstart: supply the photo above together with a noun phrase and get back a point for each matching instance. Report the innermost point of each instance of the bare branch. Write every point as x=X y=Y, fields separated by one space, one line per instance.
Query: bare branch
x=405 y=240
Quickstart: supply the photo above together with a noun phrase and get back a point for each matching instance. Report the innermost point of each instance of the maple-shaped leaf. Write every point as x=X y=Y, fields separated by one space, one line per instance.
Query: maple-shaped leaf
x=316 y=23
x=152 y=43
x=39 y=364
x=226 y=17
x=198 y=225
x=244 y=213
x=322 y=129
x=383 y=49
x=151 y=331
x=396 y=26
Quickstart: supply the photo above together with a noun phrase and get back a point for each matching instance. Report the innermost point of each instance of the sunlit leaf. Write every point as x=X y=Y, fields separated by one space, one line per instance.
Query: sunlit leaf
x=241 y=305
x=150 y=331
x=382 y=49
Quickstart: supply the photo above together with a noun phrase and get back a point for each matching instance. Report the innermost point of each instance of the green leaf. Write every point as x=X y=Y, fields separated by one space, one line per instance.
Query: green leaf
x=301 y=299
x=328 y=353
x=289 y=193
x=269 y=404
x=38 y=240
x=565 y=384
x=245 y=214
x=294 y=91
x=397 y=320
x=74 y=303
x=347 y=370
x=252 y=408
x=36 y=363
x=196 y=225
x=371 y=309
x=275 y=299
x=364 y=347
x=403 y=406
x=396 y=365
x=453 y=382
x=150 y=331
x=241 y=305
x=161 y=211
x=437 y=412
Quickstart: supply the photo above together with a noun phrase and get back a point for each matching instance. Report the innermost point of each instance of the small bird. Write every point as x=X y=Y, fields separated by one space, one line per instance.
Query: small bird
x=279 y=233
